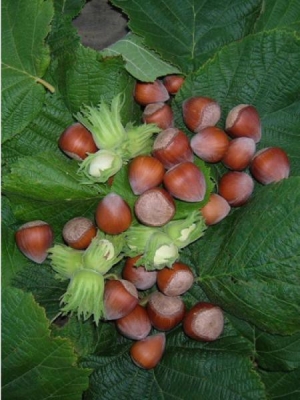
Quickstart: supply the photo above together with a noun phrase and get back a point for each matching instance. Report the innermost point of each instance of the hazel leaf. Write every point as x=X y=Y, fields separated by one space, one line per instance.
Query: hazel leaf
x=279 y=14
x=47 y=177
x=70 y=8
x=262 y=70
x=188 y=370
x=53 y=118
x=85 y=77
x=188 y=34
x=142 y=63
x=281 y=385
x=249 y=262
x=272 y=352
x=44 y=286
x=25 y=60
x=35 y=365
x=11 y=258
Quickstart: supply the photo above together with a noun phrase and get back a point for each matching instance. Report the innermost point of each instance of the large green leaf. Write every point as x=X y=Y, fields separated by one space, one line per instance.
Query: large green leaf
x=282 y=385
x=47 y=187
x=41 y=134
x=24 y=62
x=40 y=281
x=34 y=365
x=278 y=353
x=141 y=62
x=271 y=352
x=279 y=14
x=11 y=258
x=63 y=37
x=7 y=216
x=263 y=70
x=186 y=34
x=84 y=77
x=87 y=338
x=47 y=177
x=249 y=263
x=70 y=8
x=189 y=370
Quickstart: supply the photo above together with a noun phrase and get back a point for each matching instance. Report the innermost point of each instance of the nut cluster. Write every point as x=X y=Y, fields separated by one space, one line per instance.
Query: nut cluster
x=161 y=309
x=234 y=146
x=161 y=177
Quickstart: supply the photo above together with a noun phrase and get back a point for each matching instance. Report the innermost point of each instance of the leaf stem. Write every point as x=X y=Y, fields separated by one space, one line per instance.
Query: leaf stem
x=46 y=84
x=39 y=80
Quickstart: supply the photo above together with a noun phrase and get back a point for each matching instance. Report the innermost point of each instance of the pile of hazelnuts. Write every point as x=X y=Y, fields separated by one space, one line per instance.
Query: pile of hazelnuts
x=133 y=313
x=234 y=147
x=163 y=309
x=169 y=172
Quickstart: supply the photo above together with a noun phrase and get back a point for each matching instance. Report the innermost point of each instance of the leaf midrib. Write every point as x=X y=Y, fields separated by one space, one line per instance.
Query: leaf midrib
x=36 y=79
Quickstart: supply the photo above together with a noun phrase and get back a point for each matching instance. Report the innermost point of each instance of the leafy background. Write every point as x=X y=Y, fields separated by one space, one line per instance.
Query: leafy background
x=239 y=51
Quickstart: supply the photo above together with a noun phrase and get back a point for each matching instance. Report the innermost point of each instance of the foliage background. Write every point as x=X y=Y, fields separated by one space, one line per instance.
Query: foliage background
x=236 y=52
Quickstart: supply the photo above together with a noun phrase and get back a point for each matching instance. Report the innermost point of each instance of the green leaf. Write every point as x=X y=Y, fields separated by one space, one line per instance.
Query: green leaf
x=282 y=385
x=7 y=215
x=12 y=259
x=188 y=34
x=47 y=177
x=278 y=353
x=56 y=213
x=142 y=63
x=87 y=338
x=188 y=370
x=262 y=70
x=84 y=77
x=41 y=134
x=40 y=281
x=34 y=365
x=47 y=187
x=249 y=262
x=63 y=37
x=24 y=62
x=283 y=14
x=70 y=8
x=271 y=352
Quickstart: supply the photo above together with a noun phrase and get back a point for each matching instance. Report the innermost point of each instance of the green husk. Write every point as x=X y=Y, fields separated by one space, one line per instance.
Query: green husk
x=159 y=252
x=84 y=295
x=185 y=231
x=136 y=238
x=65 y=261
x=139 y=140
x=103 y=252
x=99 y=167
x=104 y=123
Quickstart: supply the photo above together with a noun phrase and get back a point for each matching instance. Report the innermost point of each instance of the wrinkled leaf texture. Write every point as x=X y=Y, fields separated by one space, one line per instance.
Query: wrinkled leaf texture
x=250 y=263
x=271 y=352
x=24 y=62
x=241 y=51
x=187 y=34
x=280 y=385
x=34 y=365
x=188 y=370
x=262 y=70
